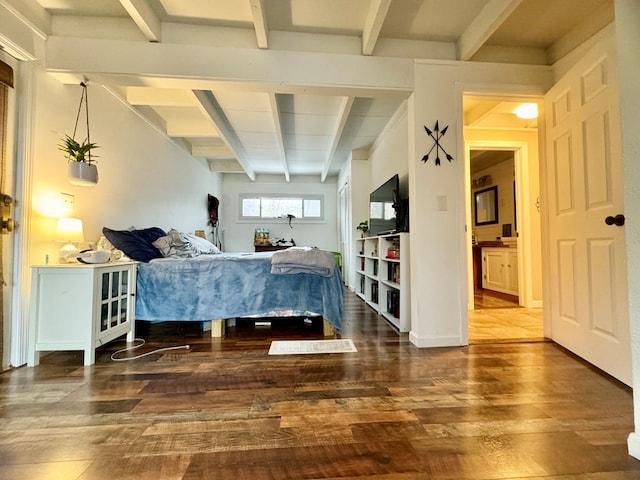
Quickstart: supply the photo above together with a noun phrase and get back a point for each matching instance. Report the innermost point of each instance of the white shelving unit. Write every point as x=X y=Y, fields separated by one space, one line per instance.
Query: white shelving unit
x=80 y=307
x=383 y=281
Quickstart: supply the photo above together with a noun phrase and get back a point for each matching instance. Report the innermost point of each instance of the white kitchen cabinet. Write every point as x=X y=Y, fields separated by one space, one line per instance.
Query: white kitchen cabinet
x=80 y=307
x=500 y=269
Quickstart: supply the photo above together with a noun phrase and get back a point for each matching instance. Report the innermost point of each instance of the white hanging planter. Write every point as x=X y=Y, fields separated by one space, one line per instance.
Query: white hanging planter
x=80 y=173
x=80 y=168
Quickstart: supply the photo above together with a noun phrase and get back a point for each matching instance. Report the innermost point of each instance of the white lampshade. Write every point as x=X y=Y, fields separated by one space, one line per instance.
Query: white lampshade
x=69 y=230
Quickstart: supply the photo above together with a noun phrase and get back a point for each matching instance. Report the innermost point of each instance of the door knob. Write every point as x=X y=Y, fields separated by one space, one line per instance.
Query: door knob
x=7 y=225
x=617 y=220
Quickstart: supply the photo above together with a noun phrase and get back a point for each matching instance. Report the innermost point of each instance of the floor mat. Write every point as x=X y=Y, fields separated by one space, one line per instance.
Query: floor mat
x=295 y=347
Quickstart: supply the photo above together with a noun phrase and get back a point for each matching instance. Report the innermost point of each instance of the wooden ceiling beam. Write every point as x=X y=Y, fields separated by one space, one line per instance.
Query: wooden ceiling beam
x=145 y=18
x=373 y=24
x=486 y=22
x=260 y=23
x=343 y=116
x=212 y=110
x=275 y=112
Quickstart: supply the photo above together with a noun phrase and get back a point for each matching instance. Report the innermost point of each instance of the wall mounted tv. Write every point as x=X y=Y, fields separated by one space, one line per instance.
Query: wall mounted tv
x=388 y=213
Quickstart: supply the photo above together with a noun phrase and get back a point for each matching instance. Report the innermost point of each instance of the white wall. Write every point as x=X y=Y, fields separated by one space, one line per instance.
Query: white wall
x=437 y=193
x=144 y=179
x=359 y=177
x=389 y=153
x=238 y=234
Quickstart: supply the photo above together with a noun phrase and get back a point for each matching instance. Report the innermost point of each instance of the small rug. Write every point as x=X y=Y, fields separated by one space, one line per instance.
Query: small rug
x=296 y=347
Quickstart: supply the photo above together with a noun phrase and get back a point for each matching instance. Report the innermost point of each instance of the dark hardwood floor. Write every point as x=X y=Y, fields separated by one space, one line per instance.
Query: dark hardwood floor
x=225 y=409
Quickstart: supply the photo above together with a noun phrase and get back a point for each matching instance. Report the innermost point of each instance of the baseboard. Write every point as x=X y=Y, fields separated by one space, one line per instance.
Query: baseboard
x=535 y=304
x=633 y=444
x=426 y=342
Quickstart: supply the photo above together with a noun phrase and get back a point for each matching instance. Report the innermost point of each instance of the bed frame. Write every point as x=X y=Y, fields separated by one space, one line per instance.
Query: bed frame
x=218 y=328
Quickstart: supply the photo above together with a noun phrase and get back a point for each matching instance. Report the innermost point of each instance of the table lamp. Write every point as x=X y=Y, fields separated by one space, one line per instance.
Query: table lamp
x=69 y=231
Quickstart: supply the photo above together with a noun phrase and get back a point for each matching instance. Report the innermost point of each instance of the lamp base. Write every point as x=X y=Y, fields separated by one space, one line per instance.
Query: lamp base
x=67 y=253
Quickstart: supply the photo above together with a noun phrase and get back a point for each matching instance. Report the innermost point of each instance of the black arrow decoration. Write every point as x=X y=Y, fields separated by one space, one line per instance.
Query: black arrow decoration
x=436 y=135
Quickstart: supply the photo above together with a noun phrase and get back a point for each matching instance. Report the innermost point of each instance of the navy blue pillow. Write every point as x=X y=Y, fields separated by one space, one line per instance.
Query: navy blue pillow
x=136 y=244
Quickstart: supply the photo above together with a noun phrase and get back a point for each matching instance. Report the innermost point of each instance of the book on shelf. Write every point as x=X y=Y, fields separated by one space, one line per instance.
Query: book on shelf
x=374 y=292
x=393 y=272
x=393 y=303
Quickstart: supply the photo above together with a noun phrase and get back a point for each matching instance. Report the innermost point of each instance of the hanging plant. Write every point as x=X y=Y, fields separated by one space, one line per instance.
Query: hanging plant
x=81 y=168
x=77 y=152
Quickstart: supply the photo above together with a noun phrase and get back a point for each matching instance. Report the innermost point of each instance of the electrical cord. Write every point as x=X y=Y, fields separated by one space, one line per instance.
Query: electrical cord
x=158 y=350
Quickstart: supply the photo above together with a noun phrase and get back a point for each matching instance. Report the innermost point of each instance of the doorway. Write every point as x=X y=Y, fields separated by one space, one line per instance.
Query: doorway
x=494 y=229
x=504 y=247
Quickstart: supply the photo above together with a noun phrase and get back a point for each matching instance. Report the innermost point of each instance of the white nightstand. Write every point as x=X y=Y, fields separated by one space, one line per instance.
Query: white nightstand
x=80 y=307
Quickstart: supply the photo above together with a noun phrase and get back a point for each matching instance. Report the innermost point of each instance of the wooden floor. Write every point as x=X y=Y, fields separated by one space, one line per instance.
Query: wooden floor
x=224 y=409
x=499 y=318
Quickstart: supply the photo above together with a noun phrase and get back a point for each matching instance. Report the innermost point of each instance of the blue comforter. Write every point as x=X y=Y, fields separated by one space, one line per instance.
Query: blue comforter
x=231 y=285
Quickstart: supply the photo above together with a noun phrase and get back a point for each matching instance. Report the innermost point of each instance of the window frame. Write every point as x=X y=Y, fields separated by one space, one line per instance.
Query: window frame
x=297 y=196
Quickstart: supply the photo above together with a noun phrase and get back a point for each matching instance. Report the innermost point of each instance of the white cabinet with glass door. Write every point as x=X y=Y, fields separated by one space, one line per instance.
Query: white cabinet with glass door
x=80 y=307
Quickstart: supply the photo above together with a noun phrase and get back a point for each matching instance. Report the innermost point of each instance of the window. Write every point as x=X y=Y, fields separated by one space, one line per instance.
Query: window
x=309 y=207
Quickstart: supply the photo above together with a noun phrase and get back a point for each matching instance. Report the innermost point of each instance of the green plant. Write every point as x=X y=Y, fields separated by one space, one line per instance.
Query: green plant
x=363 y=226
x=75 y=151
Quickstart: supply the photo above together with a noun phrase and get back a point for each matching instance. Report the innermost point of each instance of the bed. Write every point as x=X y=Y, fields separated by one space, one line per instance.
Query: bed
x=227 y=285
x=182 y=277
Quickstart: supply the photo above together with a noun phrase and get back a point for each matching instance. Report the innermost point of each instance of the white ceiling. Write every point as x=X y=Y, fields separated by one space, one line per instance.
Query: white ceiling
x=290 y=126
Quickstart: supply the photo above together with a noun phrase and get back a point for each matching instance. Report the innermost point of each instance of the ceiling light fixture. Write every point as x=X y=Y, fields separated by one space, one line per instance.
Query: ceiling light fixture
x=527 y=111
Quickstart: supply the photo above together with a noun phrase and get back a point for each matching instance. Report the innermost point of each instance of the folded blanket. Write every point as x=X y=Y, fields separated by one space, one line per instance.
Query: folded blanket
x=303 y=260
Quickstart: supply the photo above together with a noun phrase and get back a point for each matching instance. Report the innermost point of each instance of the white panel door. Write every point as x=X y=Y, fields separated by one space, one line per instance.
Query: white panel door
x=588 y=308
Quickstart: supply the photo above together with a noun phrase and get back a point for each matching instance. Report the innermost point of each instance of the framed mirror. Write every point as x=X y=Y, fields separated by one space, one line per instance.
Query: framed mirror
x=486 y=206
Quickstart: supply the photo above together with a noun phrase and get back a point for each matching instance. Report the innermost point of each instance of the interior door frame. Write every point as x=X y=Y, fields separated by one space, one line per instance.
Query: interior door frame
x=521 y=163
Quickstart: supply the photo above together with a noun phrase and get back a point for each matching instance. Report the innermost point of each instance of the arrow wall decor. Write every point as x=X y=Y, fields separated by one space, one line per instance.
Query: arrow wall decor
x=436 y=135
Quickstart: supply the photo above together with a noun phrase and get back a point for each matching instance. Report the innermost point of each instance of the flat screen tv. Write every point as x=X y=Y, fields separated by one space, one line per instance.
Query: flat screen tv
x=385 y=208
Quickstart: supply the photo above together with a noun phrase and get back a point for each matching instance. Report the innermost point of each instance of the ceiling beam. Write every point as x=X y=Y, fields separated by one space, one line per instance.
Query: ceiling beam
x=275 y=112
x=164 y=65
x=483 y=26
x=343 y=116
x=217 y=152
x=165 y=97
x=224 y=166
x=145 y=18
x=212 y=110
x=373 y=24
x=259 y=23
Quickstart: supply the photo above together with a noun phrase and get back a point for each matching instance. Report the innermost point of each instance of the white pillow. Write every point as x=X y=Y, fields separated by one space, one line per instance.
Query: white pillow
x=202 y=245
